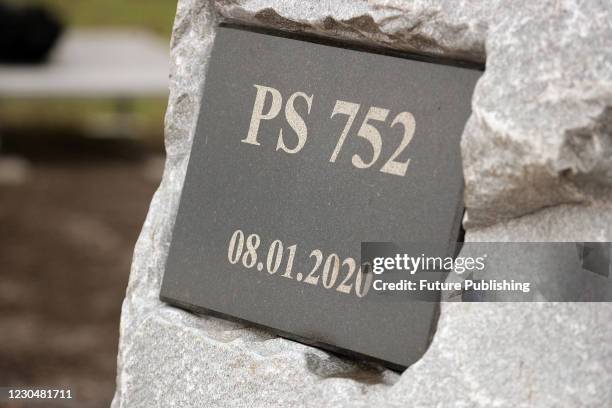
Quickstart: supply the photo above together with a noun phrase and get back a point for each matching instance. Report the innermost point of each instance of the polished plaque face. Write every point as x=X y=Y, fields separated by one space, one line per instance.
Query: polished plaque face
x=303 y=151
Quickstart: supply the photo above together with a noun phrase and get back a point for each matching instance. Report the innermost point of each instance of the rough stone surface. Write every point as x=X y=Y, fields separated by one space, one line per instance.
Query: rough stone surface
x=539 y=137
x=541 y=129
x=447 y=28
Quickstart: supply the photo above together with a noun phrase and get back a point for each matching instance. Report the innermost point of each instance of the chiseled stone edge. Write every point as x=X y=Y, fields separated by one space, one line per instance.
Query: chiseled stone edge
x=192 y=38
x=426 y=27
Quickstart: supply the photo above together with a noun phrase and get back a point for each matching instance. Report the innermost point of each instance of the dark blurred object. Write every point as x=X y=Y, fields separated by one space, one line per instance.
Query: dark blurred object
x=595 y=257
x=27 y=33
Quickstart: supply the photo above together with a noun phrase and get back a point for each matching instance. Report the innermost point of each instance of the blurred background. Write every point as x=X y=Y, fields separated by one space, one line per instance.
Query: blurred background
x=83 y=88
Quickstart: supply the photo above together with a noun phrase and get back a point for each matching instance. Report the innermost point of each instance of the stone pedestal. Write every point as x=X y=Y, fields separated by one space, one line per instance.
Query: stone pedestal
x=537 y=155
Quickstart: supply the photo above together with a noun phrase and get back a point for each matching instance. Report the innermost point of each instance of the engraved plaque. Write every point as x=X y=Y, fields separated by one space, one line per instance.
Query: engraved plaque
x=303 y=151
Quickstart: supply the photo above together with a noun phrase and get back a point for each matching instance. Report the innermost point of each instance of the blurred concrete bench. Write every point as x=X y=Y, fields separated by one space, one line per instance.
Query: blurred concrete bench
x=119 y=65
x=100 y=64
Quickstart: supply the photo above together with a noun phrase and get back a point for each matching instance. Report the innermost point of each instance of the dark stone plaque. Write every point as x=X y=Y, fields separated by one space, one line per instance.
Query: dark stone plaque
x=302 y=152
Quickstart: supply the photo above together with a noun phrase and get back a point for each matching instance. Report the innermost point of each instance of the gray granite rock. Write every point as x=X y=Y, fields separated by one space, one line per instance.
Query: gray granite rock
x=541 y=129
x=539 y=137
x=449 y=28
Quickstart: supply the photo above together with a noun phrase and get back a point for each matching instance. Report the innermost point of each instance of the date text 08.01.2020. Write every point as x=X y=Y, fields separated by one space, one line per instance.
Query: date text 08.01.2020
x=340 y=275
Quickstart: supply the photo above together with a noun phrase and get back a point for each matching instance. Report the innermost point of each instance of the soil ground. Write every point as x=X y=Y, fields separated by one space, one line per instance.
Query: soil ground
x=69 y=219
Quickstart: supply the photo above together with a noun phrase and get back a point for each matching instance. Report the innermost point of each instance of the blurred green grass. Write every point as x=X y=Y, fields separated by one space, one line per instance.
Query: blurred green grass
x=156 y=16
